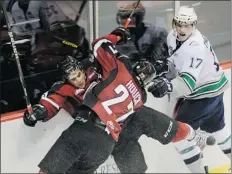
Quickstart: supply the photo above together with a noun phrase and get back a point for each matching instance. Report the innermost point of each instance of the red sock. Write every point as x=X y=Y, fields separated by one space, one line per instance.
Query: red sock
x=182 y=132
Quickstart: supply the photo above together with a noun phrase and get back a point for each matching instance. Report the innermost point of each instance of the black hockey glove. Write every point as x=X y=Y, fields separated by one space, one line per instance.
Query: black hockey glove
x=161 y=67
x=40 y=113
x=159 y=87
x=123 y=33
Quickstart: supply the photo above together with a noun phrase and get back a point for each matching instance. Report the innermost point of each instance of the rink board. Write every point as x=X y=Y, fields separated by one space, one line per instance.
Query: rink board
x=22 y=147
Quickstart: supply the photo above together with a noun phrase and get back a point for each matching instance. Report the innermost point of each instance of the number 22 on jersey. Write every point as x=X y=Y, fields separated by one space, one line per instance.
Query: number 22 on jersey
x=125 y=94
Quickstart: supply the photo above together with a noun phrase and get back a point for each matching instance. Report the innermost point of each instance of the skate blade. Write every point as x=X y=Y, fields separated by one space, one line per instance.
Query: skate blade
x=221 y=169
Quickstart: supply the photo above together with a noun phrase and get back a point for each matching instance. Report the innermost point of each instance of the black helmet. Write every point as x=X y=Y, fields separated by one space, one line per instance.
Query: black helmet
x=68 y=65
x=144 y=70
x=125 y=9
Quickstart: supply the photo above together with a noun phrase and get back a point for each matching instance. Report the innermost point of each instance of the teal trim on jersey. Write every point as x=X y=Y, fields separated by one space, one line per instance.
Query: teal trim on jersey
x=209 y=88
x=189 y=80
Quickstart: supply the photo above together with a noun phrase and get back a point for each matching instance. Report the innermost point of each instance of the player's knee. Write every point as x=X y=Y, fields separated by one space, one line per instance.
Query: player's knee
x=170 y=132
x=182 y=132
x=223 y=138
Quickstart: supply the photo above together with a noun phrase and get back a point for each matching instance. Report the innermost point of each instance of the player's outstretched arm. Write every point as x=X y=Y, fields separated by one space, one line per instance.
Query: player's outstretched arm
x=50 y=104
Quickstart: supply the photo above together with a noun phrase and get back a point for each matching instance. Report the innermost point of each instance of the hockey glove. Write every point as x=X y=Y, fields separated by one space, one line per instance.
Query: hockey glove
x=161 y=67
x=40 y=113
x=123 y=33
x=160 y=87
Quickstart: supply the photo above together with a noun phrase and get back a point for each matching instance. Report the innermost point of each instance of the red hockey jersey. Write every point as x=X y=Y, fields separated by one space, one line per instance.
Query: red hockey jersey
x=118 y=95
x=66 y=96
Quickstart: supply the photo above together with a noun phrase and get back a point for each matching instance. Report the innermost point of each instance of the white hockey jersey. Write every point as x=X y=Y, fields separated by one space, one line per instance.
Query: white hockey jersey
x=199 y=73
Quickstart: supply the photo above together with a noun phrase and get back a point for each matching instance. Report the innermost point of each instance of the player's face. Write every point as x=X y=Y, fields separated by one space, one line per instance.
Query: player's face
x=184 y=31
x=77 y=78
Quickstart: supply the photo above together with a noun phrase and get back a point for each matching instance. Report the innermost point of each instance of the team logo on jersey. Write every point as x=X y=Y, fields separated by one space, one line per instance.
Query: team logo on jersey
x=170 y=50
x=193 y=43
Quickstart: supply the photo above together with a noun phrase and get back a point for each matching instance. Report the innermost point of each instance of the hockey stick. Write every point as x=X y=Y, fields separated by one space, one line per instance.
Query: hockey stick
x=80 y=10
x=129 y=18
x=21 y=76
x=68 y=43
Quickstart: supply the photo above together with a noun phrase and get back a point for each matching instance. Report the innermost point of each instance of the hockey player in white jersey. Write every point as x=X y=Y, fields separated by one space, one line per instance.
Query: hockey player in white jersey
x=199 y=83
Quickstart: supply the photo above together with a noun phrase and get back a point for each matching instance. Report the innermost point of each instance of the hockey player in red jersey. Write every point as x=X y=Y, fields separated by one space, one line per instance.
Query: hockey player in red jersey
x=67 y=94
x=120 y=97
x=118 y=102
x=85 y=135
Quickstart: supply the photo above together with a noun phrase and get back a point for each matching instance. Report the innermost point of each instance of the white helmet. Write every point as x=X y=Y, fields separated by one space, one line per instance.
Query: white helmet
x=185 y=15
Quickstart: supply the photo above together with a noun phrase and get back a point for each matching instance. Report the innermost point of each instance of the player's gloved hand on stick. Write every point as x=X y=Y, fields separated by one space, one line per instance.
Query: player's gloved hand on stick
x=39 y=112
x=123 y=33
x=159 y=87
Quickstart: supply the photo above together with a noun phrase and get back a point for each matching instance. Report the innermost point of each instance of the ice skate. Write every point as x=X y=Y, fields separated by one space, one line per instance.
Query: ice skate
x=203 y=138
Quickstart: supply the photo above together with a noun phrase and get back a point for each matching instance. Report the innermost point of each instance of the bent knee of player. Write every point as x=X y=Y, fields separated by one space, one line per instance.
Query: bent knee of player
x=182 y=132
x=223 y=138
x=169 y=133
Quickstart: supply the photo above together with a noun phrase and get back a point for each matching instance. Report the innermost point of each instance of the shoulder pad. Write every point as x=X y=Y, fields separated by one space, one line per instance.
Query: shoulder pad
x=56 y=86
